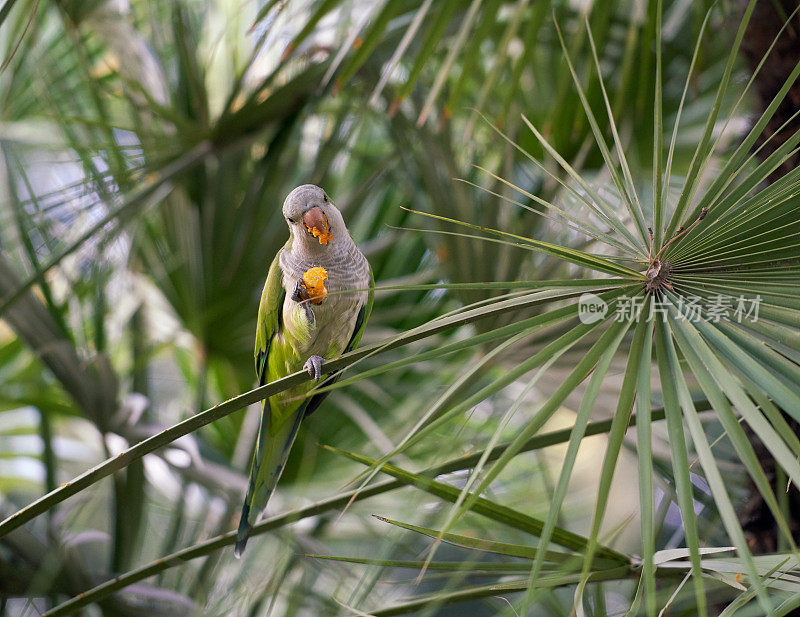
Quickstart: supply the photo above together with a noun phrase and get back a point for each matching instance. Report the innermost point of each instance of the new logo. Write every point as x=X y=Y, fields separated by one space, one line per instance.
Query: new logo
x=591 y=308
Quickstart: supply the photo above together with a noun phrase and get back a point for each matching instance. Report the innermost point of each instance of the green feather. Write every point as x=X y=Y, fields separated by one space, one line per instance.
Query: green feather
x=363 y=315
x=269 y=316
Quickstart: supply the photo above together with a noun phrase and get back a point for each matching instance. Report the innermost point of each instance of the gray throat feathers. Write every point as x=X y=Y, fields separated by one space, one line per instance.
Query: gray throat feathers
x=301 y=256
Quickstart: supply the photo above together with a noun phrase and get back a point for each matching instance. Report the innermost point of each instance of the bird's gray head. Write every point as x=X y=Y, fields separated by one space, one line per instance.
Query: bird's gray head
x=314 y=222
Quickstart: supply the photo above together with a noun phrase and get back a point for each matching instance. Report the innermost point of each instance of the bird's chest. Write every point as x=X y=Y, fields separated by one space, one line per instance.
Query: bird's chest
x=328 y=333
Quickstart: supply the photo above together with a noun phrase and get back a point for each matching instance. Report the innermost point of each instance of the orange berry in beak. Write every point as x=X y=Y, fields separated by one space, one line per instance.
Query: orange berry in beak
x=317 y=224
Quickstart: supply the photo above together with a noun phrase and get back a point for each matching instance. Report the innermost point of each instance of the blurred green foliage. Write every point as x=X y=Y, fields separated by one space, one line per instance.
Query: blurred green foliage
x=147 y=148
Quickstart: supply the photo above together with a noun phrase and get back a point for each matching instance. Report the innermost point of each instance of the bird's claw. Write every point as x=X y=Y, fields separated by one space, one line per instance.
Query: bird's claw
x=302 y=297
x=314 y=367
x=300 y=293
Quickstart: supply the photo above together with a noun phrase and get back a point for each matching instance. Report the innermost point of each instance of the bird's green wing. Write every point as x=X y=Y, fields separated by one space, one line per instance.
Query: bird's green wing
x=363 y=315
x=269 y=317
x=271 y=442
x=360 y=325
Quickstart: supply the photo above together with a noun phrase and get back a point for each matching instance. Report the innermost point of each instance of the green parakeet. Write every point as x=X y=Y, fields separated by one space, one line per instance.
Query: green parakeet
x=303 y=318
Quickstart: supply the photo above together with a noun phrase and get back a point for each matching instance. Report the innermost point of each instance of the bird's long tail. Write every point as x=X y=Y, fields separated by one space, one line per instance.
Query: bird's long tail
x=269 y=458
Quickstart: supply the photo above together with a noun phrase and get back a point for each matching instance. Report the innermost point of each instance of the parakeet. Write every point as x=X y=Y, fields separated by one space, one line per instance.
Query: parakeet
x=314 y=306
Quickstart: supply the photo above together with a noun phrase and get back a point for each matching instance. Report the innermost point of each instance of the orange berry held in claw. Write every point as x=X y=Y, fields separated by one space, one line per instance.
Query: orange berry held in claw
x=314 y=282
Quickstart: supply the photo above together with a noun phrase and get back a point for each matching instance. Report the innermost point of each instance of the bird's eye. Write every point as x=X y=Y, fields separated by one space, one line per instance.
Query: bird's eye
x=289 y=219
x=325 y=198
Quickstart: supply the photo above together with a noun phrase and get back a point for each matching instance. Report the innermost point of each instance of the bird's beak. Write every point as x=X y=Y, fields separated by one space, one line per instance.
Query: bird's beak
x=317 y=224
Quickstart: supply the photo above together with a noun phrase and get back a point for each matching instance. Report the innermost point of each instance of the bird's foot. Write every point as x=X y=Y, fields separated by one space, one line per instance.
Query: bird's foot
x=300 y=293
x=302 y=297
x=314 y=367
